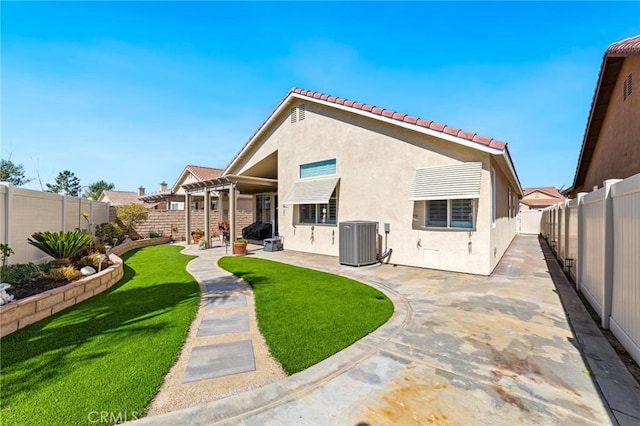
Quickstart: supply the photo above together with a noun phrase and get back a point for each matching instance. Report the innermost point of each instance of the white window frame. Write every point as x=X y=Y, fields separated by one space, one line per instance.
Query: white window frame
x=449 y=211
x=318 y=212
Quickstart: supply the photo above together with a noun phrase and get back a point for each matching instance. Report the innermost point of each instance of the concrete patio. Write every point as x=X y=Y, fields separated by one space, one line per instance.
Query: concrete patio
x=517 y=347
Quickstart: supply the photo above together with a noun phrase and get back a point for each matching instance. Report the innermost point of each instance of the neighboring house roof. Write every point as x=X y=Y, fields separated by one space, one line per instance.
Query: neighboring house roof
x=609 y=70
x=442 y=130
x=548 y=190
x=119 y=198
x=204 y=173
x=553 y=196
x=199 y=172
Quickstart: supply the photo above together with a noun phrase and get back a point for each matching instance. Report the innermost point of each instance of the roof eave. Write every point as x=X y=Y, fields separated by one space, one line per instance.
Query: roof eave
x=493 y=147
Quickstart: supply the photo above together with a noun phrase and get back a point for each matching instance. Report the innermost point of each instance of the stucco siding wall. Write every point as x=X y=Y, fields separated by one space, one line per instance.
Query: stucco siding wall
x=617 y=152
x=376 y=163
x=506 y=224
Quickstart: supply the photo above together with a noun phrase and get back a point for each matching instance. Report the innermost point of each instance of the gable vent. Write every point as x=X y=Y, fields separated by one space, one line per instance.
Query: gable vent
x=301 y=110
x=293 y=114
x=628 y=86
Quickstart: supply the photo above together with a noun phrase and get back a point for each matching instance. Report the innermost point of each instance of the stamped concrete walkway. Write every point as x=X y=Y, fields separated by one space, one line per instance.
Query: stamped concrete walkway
x=459 y=349
x=224 y=352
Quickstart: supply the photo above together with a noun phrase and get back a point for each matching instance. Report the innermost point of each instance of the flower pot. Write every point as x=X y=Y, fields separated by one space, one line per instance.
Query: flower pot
x=239 y=248
x=196 y=238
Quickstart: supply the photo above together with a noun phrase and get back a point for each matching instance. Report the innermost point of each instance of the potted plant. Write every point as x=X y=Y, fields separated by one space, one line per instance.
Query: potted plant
x=196 y=235
x=240 y=247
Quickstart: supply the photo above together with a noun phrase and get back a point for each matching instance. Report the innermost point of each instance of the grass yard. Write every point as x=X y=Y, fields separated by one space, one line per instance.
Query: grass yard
x=105 y=358
x=306 y=315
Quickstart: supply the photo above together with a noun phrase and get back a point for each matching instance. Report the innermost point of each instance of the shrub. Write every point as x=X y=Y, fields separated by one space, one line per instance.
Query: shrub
x=131 y=215
x=106 y=232
x=153 y=234
x=62 y=246
x=25 y=273
x=92 y=260
x=64 y=273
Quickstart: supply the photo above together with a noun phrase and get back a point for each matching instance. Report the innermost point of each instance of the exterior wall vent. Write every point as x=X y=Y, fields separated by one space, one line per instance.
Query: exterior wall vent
x=628 y=87
x=358 y=243
x=301 y=110
x=293 y=115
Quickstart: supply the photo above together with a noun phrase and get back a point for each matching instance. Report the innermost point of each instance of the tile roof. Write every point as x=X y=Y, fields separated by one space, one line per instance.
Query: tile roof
x=204 y=173
x=549 y=190
x=401 y=117
x=609 y=71
x=541 y=202
x=417 y=121
x=119 y=198
x=627 y=47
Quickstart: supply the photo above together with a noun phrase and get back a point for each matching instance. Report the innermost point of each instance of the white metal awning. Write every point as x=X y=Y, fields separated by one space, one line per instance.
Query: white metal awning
x=447 y=182
x=313 y=191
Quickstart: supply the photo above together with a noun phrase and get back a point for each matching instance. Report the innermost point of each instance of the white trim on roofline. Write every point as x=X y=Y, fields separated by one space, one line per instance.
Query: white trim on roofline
x=440 y=135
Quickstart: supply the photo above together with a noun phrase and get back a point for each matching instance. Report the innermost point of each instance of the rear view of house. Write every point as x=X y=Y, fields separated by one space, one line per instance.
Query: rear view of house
x=448 y=197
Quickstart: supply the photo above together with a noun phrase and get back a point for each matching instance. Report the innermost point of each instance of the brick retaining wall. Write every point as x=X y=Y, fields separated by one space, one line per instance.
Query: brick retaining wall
x=21 y=313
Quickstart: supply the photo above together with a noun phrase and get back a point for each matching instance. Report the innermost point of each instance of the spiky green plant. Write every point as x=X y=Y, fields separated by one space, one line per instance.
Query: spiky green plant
x=62 y=246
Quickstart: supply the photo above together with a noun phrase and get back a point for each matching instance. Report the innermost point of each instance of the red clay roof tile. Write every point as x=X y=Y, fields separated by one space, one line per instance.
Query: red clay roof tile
x=462 y=134
x=451 y=131
x=625 y=47
x=466 y=135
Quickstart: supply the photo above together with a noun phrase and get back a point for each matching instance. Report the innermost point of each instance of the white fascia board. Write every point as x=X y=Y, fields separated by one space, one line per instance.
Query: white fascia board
x=409 y=126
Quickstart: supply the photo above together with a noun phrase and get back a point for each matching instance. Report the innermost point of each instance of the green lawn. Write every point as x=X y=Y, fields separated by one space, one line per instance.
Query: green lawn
x=105 y=357
x=306 y=315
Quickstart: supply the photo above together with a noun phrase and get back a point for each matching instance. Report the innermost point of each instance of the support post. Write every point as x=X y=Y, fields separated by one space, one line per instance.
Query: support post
x=232 y=212
x=207 y=218
x=608 y=252
x=580 y=241
x=187 y=210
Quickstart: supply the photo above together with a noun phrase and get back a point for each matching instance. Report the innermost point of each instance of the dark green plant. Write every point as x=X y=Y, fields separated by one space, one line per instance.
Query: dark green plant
x=95 y=189
x=66 y=183
x=12 y=173
x=106 y=232
x=25 y=273
x=5 y=252
x=62 y=246
x=153 y=234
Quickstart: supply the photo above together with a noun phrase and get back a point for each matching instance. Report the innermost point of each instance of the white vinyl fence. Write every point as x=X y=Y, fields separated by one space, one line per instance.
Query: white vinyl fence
x=529 y=221
x=597 y=239
x=25 y=211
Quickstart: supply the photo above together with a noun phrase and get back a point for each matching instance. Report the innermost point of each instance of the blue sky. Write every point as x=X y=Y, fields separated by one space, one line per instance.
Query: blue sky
x=131 y=92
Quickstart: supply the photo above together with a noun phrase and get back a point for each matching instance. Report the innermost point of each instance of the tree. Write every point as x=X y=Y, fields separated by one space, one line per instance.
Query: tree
x=96 y=188
x=12 y=173
x=131 y=215
x=66 y=183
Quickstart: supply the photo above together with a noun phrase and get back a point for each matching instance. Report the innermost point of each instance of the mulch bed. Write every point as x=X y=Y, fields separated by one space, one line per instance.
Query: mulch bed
x=29 y=289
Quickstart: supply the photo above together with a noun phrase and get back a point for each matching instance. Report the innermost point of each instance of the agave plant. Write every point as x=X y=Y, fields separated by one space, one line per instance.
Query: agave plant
x=62 y=246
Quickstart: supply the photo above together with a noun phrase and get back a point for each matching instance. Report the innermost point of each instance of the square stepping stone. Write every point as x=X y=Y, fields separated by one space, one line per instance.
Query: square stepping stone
x=224 y=286
x=227 y=301
x=224 y=359
x=212 y=325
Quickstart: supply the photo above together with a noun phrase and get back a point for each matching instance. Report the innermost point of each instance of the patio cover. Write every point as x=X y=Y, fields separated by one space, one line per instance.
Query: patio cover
x=315 y=191
x=448 y=182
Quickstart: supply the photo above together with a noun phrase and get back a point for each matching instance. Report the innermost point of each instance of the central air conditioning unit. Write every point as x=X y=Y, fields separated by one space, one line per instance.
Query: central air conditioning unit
x=358 y=243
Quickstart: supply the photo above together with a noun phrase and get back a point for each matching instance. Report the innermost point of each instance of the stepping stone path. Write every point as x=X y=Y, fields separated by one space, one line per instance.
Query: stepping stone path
x=226 y=313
